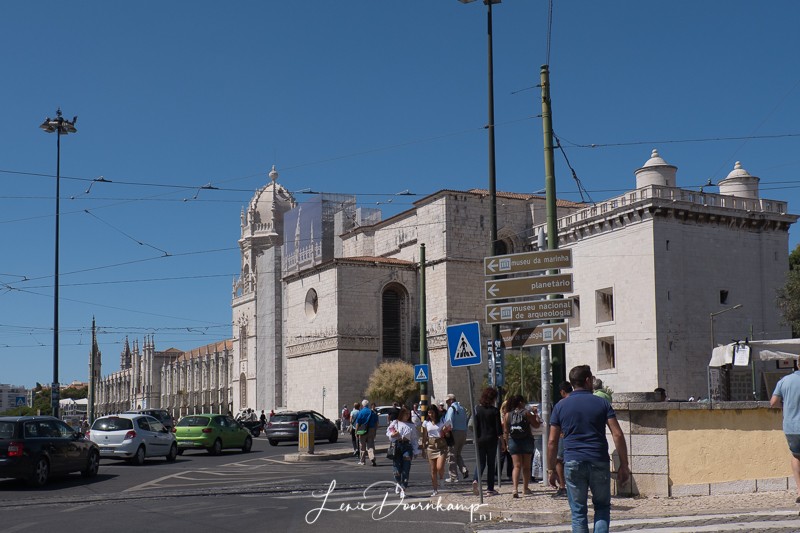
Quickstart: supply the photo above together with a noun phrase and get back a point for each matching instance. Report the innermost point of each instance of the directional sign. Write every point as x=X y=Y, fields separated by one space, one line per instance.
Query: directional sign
x=421 y=373
x=464 y=344
x=527 y=311
x=527 y=262
x=545 y=334
x=528 y=286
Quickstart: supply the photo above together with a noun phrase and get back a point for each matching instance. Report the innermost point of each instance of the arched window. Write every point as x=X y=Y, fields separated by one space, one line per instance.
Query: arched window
x=394 y=316
x=242 y=343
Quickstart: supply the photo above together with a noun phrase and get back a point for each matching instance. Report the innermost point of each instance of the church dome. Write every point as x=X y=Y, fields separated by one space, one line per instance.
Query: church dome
x=269 y=203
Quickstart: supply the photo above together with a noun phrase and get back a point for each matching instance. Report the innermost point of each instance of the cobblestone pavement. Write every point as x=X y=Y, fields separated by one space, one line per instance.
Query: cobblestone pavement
x=540 y=512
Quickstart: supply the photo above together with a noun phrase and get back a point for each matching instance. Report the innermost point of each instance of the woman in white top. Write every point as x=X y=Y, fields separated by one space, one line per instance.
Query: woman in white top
x=406 y=446
x=434 y=433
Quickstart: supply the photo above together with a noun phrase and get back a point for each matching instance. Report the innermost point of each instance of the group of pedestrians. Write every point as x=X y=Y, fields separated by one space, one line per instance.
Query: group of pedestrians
x=577 y=448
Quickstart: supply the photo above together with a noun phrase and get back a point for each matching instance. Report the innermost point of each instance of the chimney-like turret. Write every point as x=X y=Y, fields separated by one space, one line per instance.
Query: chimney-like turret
x=739 y=183
x=656 y=171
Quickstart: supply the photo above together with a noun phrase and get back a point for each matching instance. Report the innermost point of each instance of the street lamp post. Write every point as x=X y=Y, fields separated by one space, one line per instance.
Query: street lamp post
x=713 y=341
x=60 y=126
x=492 y=178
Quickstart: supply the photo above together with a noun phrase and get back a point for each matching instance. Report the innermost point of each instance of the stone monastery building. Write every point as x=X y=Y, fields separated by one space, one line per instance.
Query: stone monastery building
x=328 y=291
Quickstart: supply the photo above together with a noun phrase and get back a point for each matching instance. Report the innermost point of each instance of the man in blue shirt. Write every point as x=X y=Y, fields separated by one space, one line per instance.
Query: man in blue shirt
x=457 y=416
x=366 y=423
x=787 y=394
x=582 y=418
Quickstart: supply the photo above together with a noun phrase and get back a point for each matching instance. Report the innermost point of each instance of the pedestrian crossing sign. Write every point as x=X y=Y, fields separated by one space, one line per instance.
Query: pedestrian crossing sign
x=421 y=373
x=464 y=344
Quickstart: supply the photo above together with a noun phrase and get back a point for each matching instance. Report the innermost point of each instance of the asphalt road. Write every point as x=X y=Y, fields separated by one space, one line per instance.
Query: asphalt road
x=257 y=491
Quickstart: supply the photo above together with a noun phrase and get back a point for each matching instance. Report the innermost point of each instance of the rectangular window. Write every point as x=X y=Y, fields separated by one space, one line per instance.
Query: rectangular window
x=606 y=353
x=575 y=321
x=604 y=302
x=723 y=297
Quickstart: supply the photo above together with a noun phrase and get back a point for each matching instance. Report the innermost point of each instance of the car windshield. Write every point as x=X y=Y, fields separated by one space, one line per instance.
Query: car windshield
x=283 y=418
x=193 y=421
x=112 y=424
x=6 y=430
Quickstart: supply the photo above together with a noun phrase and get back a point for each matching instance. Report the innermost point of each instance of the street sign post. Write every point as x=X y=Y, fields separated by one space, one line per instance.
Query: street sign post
x=528 y=311
x=528 y=286
x=527 y=262
x=557 y=333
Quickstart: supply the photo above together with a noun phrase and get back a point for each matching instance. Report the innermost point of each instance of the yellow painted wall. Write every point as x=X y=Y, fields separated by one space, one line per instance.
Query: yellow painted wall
x=726 y=445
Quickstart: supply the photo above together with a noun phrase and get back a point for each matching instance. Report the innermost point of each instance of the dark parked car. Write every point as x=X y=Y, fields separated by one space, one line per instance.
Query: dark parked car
x=159 y=414
x=35 y=447
x=285 y=426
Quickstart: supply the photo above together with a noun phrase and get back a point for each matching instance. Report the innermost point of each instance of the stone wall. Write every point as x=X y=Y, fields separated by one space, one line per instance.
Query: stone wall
x=690 y=448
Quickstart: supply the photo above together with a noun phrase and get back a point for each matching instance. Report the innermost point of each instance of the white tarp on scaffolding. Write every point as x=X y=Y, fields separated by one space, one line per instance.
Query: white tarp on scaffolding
x=763 y=350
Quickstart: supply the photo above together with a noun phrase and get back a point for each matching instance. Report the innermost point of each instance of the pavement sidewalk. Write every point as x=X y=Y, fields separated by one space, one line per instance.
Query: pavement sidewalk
x=542 y=509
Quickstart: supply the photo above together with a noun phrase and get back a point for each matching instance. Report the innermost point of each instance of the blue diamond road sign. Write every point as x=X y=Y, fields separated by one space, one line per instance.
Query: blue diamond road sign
x=464 y=344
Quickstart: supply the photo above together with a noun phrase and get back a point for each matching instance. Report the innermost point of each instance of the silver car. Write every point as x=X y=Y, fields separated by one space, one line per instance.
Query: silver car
x=133 y=437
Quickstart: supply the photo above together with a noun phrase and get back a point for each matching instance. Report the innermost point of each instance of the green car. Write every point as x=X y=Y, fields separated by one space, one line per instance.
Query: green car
x=212 y=433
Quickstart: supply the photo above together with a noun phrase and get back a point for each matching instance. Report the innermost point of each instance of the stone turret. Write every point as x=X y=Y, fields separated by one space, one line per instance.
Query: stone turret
x=656 y=171
x=739 y=183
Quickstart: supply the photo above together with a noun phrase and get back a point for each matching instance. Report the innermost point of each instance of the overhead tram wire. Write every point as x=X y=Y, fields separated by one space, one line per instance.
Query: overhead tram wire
x=678 y=141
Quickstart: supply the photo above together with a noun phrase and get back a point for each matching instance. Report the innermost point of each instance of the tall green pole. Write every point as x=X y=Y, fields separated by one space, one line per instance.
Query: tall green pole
x=423 y=335
x=558 y=352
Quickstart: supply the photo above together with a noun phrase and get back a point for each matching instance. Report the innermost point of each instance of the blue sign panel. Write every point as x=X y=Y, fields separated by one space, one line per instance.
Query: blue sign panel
x=464 y=344
x=421 y=373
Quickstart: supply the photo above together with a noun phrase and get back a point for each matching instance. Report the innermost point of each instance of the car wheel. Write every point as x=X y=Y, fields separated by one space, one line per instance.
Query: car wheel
x=173 y=452
x=180 y=451
x=92 y=465
x=248 y=444
x=41 y=471
x=273 y=442
x=255 y=432
x=138 y=459
x=216 y=448
x=334 y=436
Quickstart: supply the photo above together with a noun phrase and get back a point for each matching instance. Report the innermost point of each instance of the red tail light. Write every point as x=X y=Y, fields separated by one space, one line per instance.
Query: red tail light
x=295 y=423
x=130 y=435
x=207 y=430
x=174 y=430
x=15 y=449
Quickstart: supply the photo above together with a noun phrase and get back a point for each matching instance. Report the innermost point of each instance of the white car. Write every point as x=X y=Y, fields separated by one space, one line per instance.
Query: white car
x=133 y=437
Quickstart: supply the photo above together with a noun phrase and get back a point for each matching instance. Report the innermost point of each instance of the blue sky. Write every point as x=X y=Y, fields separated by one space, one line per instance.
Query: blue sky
x=365 y=97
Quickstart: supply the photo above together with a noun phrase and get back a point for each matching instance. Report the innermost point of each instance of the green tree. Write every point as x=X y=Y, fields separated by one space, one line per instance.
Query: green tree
x=392 y=381
x=789 y=294
x=523 y=375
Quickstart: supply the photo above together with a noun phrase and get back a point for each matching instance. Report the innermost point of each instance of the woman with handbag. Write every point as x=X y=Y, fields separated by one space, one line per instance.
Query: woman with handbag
x=519 y=440
x=434 y=443
x=403 y=447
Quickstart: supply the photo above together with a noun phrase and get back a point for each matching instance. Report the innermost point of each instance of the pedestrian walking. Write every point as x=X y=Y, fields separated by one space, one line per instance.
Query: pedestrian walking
x=353 y=436
x=403 y=434
x=519 y=441
x=582 y=418
x=564 y=389
x=488 y=430
x=787 y=396
x=506 y=464
x=456 y=416
x=366 y=427
x=345 y=418
x=434 y=443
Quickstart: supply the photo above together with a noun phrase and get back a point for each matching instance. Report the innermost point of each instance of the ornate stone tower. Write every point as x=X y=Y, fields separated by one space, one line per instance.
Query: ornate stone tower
x=257 y=302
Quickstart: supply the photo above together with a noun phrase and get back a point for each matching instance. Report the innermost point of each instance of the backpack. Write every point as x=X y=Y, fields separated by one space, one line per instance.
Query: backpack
x=519 y=427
